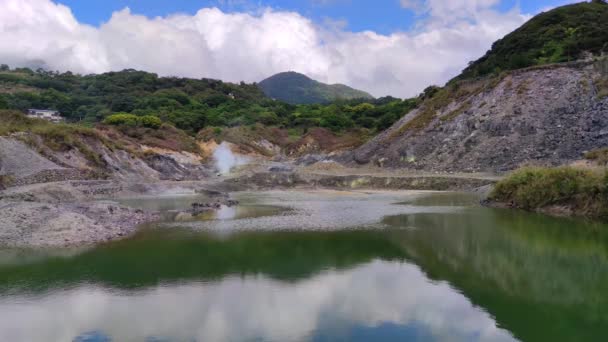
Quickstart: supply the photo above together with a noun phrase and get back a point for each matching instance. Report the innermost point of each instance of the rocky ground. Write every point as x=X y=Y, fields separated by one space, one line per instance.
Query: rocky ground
x=36 y=224
x=64 y=214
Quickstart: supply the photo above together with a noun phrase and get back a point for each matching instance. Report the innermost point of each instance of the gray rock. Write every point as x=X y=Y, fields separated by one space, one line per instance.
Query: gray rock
x=280 y=168
x=543 y=116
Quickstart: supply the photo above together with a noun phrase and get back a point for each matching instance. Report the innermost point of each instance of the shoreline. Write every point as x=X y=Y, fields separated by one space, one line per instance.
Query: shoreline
x=558 y=211
x=85 y=213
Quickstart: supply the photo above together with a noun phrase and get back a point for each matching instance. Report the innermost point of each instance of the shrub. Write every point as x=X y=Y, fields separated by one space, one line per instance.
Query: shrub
x=150 y=121
x=131 y=120
x=583 y=190
x=122 y=119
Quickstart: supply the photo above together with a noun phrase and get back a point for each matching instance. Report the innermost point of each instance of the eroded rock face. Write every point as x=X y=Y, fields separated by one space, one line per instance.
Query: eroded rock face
x=25 y=164
x=549 y=116
x=18 y=158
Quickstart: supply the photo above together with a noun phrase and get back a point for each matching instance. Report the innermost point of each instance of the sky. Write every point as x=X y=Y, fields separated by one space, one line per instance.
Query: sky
x=385 y=47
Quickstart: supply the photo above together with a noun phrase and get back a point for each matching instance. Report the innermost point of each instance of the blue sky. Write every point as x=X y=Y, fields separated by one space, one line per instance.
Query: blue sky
x=382 y=16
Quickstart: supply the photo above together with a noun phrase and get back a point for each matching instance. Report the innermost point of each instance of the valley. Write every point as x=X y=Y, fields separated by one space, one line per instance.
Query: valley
x=136 y=205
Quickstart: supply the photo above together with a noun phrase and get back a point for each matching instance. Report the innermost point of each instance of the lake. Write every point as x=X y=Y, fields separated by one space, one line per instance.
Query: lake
x=319 y=266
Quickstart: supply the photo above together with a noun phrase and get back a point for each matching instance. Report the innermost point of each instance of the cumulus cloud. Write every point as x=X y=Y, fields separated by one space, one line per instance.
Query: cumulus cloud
x=250 y=47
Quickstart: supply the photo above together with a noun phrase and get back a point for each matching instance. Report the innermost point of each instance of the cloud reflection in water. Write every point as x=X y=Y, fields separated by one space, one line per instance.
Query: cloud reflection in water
x=368 y=299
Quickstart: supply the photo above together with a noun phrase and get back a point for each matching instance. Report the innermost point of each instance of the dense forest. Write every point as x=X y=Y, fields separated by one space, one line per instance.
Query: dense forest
x=560 y=35
x=189 y=104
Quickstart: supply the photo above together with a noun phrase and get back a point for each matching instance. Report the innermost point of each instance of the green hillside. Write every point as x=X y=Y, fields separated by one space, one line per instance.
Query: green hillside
x=295 y=88
x=188 y=104
x=560 y=35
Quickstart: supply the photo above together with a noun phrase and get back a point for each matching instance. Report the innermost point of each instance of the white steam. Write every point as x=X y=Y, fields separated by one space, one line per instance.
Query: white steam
x=225 y=159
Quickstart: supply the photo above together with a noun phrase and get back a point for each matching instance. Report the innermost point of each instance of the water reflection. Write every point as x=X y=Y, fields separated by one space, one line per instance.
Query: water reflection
x=373 y=300
x=426 y=271
x=544 y=279
x=177 y=208
x=321 y=210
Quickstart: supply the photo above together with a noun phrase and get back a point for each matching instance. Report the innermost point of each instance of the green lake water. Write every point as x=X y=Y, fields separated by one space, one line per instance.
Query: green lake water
x=319 y=266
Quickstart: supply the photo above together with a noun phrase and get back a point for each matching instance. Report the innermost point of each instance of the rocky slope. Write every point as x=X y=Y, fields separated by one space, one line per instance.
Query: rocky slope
x=34 y=162
x=274 y=142
x=547 y=115
x=51 y=195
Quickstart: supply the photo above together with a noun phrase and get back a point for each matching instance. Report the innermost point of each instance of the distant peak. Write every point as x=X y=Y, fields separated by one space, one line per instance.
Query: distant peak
x=297 y=88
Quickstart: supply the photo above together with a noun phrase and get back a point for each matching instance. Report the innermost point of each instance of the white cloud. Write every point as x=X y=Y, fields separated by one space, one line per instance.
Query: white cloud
x=450 y=10
x=250 y=47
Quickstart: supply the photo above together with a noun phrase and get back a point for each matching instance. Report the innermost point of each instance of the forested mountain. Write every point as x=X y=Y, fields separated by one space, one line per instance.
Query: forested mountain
x=559 y=35
x=189 y=104
x=295 y=88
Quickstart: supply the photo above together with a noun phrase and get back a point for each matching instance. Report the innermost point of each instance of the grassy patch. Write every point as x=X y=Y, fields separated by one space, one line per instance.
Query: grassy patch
x=601 y=84
x=6 y=181
x=600 y=156
x=523 y=87
x=584 y=191
x=584 y=84
x=166 y=137
x=328 y=141
x=57 y=137
x=457 y=91
x=456 y=112
x=429 y=110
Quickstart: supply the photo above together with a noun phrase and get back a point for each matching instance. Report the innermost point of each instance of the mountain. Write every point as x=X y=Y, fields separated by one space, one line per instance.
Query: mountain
x=551 y=113
x=560 y=35
x=295 y=88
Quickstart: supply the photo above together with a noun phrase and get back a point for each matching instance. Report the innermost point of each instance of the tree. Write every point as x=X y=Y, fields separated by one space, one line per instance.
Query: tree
x=429 y=92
